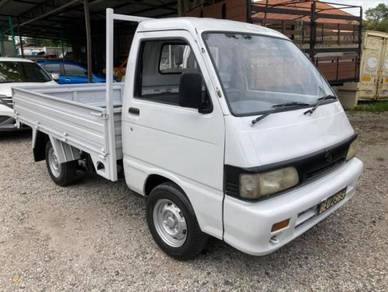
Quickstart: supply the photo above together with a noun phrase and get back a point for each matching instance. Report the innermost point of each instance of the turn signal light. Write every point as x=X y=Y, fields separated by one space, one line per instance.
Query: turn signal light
x=280 y=225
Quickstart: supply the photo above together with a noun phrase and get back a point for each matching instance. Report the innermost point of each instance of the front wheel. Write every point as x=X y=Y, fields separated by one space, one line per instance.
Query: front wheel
x=173 y=224
x=63 y=174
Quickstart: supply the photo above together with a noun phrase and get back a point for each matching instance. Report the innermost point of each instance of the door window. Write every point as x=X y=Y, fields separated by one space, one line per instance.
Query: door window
x=160 y=66
x=53 y=68
x=175 y=58
x=74 y=70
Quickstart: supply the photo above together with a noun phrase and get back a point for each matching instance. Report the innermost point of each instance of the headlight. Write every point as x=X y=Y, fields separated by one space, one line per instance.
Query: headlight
x=352 y=150
x=253 y=186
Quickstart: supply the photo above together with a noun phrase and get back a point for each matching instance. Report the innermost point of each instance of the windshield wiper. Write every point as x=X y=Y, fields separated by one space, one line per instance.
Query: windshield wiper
x=259 y=118
x=320 y=101
x=290 y=104
x=278 y=108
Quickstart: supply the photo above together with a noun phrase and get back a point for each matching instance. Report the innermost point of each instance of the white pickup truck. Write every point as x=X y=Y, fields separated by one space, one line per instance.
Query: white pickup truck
x=226 y=128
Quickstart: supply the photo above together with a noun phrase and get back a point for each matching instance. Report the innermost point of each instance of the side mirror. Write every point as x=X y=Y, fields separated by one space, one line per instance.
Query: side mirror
x=190 y=92
x=55 y=76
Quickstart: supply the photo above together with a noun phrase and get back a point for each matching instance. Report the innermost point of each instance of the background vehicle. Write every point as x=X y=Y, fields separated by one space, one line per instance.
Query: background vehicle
x=330 y=33
x=217 y=127
x=69 y=72
x=17 y=72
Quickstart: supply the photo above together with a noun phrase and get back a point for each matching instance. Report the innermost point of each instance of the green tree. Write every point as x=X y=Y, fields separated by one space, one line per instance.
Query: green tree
x=377 y=18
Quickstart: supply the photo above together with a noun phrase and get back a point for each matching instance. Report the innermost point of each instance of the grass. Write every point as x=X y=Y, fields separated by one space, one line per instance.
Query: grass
x=374 y=106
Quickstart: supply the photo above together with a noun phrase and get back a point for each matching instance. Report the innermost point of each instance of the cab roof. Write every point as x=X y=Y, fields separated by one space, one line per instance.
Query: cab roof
x=194 y=24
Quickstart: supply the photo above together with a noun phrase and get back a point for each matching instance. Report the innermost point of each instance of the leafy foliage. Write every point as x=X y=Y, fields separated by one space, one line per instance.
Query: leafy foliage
x=377 y=18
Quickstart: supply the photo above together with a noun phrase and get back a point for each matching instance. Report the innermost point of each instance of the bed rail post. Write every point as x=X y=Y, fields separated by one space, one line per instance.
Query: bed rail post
x=109 y=92
x=111 y=139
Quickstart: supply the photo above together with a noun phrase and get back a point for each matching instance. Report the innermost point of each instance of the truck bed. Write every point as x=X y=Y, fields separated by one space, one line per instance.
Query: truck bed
x=74 y=115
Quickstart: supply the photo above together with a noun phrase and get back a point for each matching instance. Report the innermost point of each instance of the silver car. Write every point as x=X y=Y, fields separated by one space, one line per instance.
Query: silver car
x=17 y=72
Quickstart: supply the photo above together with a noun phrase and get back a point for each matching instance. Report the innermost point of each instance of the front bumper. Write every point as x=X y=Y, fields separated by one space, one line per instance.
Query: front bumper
x=7 y=119
x=247 y=225
x=7 y=124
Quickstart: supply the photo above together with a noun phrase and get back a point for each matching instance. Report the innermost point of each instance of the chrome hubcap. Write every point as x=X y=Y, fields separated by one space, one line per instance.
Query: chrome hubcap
x=170 y=223
x=54 y=164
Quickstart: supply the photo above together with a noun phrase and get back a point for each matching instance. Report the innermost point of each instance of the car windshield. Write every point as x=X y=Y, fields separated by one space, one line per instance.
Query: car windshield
x=22 y=72
x=259 y=72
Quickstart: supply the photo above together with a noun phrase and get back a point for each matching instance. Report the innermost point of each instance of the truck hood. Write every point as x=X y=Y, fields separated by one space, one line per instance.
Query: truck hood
x=284 y=135
x=6 y=88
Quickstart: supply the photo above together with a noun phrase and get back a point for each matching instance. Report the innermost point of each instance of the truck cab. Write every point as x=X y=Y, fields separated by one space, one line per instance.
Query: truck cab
x=226 y=128
x=193 y=121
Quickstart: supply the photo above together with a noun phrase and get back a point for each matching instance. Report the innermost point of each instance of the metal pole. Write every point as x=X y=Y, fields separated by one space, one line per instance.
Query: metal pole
x=265 y=13
x=180 y=8
x=88 y=40
x=2 y=52
x=248 y=11
x=20 y=39
x=54 y=11
x=313 y=29
x=12 y=34
x=111 y=147
x=63 y=49
x=358 y=61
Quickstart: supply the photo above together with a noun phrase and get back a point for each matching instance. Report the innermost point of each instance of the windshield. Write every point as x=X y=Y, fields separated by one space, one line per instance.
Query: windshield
x=22 y=72
x=259 y=72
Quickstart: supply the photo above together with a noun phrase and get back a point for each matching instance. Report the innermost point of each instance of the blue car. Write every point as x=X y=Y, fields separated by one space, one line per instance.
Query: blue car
x=69 y=72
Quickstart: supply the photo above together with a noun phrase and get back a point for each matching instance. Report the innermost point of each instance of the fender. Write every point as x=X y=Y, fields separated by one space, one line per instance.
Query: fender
x=64 y=151
x=206 y=201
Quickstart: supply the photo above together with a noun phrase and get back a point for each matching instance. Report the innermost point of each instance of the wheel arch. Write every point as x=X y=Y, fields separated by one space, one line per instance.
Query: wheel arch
x=153 y=180
x=206 y=204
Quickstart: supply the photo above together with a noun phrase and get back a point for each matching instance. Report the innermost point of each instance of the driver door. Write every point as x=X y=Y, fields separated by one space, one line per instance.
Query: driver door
x=162 y=137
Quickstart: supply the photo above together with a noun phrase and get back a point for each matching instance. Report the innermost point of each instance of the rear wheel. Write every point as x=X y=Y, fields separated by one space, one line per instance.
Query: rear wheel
x=63 y=174
x=173 y=224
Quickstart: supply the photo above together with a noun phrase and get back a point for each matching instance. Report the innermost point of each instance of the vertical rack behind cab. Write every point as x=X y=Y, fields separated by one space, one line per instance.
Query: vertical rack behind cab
x=111 y=139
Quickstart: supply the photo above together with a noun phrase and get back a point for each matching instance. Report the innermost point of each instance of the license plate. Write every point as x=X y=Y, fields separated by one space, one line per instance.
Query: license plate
x=330 y=202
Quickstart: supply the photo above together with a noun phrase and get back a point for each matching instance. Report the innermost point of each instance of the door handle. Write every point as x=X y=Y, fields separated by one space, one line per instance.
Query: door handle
x=134 y=111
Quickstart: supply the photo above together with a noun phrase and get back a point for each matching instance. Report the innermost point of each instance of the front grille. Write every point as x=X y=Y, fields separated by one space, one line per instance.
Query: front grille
x=321 y=162
x=6 y=100
x=306 y=216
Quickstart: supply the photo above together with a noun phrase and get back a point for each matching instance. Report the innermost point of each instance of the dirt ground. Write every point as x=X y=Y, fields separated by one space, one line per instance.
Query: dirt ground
x=93 y=236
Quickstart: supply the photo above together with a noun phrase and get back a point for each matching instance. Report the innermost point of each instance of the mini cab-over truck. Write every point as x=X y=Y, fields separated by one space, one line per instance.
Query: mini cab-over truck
x=226 y=128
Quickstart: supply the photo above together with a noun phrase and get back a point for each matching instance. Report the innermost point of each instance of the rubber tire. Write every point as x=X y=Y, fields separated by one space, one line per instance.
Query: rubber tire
x=196 y=240
x=68 y=170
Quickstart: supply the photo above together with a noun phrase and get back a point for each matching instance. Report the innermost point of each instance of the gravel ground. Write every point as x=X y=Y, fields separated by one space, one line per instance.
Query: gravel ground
x=93 y=236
